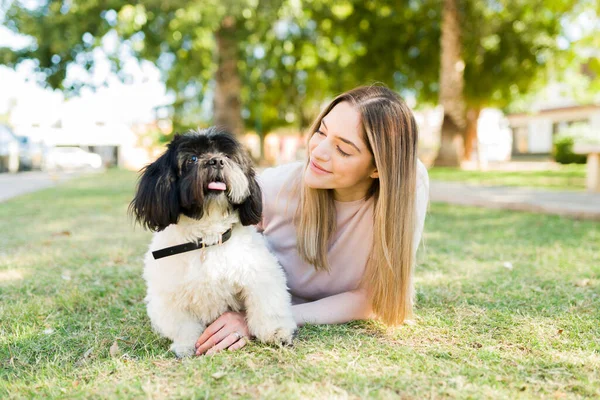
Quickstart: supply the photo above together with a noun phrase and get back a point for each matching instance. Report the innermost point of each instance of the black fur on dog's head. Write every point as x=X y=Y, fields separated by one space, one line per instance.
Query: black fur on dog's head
x=178 y=181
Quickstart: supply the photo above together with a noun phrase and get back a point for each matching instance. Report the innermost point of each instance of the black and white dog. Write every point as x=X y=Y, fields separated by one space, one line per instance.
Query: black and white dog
x=201 y=198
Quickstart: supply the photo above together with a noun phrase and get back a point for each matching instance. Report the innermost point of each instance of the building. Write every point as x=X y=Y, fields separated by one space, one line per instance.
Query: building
x=98 y=124
x=116 y=143
x=533 y=133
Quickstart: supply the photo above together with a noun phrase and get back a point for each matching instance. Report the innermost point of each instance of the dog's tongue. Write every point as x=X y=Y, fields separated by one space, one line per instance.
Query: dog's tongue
x=217 y=186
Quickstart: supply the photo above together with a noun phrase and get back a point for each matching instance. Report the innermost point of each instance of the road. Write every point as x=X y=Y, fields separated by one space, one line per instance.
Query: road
x=582 y=205
x=12 y=185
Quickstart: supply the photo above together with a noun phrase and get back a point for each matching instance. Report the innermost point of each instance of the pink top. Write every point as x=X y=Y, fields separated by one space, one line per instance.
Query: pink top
x=349 y=248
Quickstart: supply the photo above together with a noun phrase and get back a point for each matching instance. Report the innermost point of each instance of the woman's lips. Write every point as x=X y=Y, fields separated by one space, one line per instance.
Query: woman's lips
x=315 y=167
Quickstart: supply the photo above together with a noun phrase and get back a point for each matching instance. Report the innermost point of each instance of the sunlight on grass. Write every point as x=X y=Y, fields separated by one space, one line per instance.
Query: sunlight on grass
x=507 y=307
x=564 y=177
x=11 y=275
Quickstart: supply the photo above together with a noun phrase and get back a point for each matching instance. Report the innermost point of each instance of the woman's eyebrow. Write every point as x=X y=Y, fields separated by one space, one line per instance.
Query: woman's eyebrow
x=341 y=138
x=348 y=142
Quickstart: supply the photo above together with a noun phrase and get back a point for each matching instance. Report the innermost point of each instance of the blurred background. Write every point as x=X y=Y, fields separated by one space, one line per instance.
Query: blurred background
x=498 y=84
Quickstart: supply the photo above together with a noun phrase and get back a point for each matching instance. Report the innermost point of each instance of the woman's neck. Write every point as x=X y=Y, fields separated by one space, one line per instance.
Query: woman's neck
x=353 y=193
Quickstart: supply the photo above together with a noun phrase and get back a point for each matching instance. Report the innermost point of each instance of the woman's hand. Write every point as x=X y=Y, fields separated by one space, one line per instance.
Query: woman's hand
x=229 y=331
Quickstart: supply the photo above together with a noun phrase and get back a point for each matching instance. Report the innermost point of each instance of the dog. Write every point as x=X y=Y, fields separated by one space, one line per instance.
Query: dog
x=201 y=198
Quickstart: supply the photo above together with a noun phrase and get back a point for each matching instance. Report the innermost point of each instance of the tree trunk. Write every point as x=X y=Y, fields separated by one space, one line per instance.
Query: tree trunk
x=227 y=104
x=471 y=142
x=451 y=89
x=261 y=139
x=258 y=127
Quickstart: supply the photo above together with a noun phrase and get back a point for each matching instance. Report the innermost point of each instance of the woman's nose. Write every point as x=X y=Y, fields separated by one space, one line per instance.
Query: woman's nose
x=321 y=151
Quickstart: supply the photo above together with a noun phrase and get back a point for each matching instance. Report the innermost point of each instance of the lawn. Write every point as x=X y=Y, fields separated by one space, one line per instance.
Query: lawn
x=566 y=177
x=508 y=306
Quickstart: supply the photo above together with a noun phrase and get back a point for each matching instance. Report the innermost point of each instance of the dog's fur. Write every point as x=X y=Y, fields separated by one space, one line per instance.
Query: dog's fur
x=188 y=291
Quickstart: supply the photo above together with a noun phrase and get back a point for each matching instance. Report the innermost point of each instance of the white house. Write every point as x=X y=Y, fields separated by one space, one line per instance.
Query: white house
x=533 y=133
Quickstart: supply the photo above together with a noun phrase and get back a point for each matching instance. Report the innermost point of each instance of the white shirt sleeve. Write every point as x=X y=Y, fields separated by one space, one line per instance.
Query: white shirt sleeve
x=421 y=203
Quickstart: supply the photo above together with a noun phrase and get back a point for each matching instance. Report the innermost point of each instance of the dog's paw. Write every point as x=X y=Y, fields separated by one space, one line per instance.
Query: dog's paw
x=183 y=350
x=280 y=331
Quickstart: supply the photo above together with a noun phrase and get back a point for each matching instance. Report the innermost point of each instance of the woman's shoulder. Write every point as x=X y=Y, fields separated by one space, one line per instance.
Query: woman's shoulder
x=276 y=184
x=282 y=170
x=422 y=176
x=272 y=180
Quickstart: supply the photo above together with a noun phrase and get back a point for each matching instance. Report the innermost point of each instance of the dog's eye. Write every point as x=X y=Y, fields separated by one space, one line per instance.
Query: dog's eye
x=193 y=160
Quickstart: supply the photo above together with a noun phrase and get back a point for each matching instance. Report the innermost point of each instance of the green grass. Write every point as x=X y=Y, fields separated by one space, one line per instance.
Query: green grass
x=567 y=177
x=71 y=286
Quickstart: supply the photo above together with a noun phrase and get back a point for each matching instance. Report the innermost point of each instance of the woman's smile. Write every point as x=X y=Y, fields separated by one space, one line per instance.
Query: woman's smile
x=317 y=168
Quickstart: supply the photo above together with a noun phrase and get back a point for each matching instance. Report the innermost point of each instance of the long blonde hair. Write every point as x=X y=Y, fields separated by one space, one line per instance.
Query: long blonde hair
x=390 y=133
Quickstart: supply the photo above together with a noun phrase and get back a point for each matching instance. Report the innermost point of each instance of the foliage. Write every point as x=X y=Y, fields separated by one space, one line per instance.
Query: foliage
x=176 y=36
x=562 y=151
x=573 y=72
x=296 y=54
x=509 y=46
x=564 y=141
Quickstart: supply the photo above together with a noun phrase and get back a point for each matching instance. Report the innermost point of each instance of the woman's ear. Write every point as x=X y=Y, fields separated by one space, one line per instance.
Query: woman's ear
x=374 y=174
x=156 y=202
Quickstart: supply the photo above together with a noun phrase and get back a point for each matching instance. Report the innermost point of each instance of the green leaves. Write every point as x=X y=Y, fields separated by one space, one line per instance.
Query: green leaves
x=295 y=54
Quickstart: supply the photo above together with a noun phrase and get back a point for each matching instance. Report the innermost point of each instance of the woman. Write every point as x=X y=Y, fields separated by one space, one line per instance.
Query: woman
x=345 y=225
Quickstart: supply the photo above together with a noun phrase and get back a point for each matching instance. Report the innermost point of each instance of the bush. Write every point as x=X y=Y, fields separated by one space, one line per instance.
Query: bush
x=579 y=132
x=563 y=151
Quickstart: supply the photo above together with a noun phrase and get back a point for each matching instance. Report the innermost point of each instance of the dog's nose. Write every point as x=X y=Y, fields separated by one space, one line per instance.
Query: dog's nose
x=216 y=162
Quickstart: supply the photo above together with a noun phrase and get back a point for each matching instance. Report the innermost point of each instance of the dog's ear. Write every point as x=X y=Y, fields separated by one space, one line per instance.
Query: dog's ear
x=250 y=211
x=156 y=202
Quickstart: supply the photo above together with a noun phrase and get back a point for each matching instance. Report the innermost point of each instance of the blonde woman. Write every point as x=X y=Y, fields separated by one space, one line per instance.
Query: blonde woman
x=345 y=224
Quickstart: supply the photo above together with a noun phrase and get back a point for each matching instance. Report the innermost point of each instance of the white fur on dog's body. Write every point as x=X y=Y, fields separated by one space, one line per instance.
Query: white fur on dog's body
x=188 y=291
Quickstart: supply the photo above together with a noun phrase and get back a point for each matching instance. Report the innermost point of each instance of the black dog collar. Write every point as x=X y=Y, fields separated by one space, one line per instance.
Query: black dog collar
x=182 y=248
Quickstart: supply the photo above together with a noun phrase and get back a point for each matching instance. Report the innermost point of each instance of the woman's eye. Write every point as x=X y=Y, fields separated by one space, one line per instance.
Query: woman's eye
x=320 y=133
x=343 y=153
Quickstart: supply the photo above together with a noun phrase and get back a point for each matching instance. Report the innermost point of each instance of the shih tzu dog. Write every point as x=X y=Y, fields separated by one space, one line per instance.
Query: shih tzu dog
x=201 y=198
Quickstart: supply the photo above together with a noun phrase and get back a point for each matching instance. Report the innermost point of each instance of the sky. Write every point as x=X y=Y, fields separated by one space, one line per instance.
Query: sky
x=118 y=102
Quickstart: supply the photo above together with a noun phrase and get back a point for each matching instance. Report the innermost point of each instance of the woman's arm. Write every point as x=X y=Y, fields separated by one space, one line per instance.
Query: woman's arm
x=336 y=309
x=421 y=204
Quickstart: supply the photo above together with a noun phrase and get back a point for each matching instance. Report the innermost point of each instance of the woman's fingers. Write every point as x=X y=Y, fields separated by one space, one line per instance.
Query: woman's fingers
x=230 y=328
x=228 y=341
x=215 y=339
x=239 y=344
x=210 y=331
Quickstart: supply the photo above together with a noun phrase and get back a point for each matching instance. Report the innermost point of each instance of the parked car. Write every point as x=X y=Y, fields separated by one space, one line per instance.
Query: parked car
x=31 y=154
x=70 y=158
x=9 y=150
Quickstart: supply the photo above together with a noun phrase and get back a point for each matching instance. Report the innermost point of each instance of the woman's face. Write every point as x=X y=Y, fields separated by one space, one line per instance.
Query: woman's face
x=339 y=157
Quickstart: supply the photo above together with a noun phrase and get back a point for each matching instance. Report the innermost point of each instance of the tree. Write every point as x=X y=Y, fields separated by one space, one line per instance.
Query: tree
x=259 y=76
x=391 y=42
x=451 y=88
x=575 y=71
x=508 y=52
x=507 y=46
x=184 y=39
x=277 y=60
